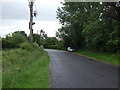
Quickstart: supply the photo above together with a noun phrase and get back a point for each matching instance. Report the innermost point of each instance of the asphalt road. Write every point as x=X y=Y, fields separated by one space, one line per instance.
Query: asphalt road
x=68 y=70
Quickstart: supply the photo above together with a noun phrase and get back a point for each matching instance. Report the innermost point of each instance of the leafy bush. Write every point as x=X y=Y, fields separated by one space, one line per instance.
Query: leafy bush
x=35 y=45
x=14 y=40
x=26 y=46
x=52 y=47
x=18 y=39
x=60 y=45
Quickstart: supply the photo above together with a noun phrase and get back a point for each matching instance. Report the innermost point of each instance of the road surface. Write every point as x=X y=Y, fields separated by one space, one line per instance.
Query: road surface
x=68 y=70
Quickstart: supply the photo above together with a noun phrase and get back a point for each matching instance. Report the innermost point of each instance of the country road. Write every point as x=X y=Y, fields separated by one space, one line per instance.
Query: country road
x=68 y=70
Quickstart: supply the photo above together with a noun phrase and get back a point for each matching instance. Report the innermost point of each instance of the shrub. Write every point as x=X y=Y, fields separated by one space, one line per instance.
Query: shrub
x=26 y=46
x=52 y=47
x=14 y=40
x=35 y=45
x=60 y=45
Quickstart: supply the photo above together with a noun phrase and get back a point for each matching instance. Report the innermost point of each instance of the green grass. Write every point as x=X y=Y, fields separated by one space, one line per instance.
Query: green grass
x=104 y=57
x=25 y=69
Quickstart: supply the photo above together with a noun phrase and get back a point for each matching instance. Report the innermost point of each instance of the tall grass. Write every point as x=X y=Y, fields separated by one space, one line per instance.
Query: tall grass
x=25 y=68
x=112 y=58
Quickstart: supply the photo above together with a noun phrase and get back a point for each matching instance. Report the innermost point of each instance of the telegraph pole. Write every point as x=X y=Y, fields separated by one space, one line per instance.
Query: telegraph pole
x=31 y=2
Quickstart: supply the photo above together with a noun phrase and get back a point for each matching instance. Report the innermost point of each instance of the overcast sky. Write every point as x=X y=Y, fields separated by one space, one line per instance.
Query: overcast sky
x=15 y=16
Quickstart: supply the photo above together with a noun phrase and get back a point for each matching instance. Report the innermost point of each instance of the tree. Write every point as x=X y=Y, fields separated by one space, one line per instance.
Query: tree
x=14 y=40
x=50 y=42
x=92 y=26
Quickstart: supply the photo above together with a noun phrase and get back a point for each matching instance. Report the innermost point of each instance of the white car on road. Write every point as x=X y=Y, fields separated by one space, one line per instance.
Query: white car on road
x=69 y=49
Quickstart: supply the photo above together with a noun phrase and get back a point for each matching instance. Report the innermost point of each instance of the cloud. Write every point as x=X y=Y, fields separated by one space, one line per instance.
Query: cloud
x=50 y=27
x=19 y=9
x=15 y=10
x=15 y=16
x=19 y=25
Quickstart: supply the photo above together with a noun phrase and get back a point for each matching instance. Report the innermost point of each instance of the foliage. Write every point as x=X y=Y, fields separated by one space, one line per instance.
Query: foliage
x=50 y=42
x=19 y=39
x=35 y=45
x=26 y=46
x=60 y=45
x=52 y=47
x=89 y=25
x=14 y=40
x=25 y=69
x=19 y=32
x=36 y=38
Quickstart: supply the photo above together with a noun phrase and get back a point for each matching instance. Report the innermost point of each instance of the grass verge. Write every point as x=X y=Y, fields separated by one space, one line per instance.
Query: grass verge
x=104 y=57
x=25 y=69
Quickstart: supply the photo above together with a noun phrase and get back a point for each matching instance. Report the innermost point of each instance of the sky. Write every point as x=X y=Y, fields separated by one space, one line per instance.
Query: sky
x=14 y=16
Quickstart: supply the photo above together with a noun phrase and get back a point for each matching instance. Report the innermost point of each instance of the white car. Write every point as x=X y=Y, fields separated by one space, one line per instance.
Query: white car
x=69 y=49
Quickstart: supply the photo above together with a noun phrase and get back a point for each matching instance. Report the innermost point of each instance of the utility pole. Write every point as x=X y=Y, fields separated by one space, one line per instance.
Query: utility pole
x=31 y=23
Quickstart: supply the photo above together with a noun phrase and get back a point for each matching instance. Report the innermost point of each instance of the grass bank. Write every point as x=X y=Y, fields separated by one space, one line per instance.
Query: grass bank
x=104 y=57
x=25 y=69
